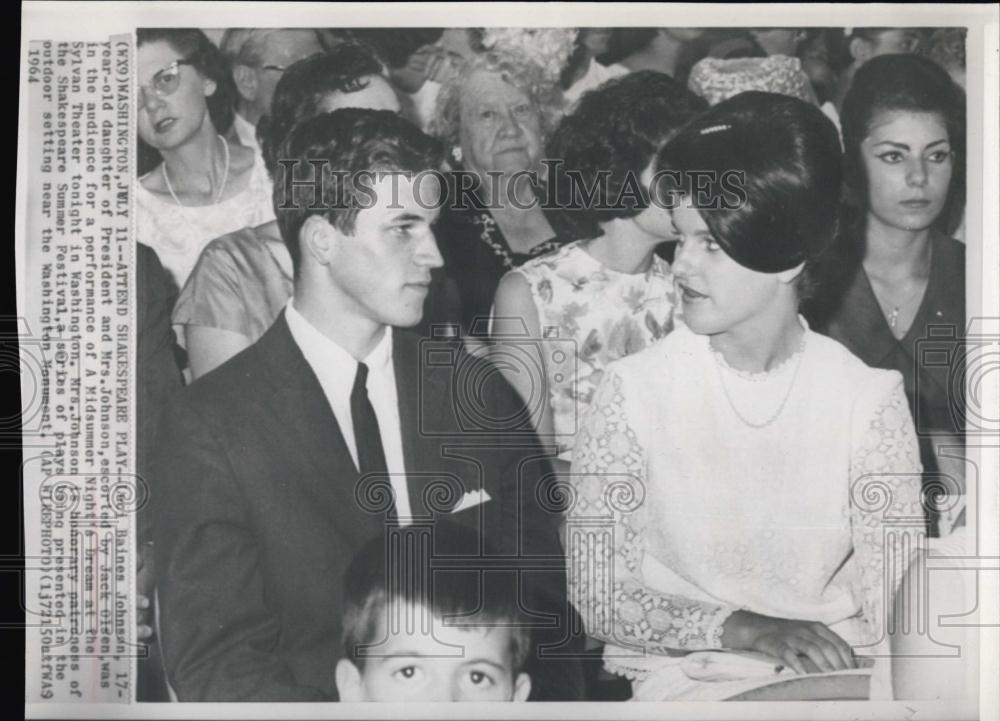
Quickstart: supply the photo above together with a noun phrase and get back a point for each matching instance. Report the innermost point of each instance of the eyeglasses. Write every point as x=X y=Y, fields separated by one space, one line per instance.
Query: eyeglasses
x=165 y=82
x=277 y=68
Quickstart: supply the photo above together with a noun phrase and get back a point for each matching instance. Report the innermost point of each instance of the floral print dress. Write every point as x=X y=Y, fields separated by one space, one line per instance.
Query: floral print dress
x=593 y=315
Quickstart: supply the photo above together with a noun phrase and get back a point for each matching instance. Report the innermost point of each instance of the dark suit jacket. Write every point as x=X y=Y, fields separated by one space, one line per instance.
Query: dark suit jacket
x=158 y=377
x=258 y=509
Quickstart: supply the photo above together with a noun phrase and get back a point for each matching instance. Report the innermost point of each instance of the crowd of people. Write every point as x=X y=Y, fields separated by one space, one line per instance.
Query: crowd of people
x=543 y=364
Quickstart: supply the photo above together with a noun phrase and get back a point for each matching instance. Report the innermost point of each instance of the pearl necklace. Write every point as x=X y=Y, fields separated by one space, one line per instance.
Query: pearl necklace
x=222 y=186
x=719 y=361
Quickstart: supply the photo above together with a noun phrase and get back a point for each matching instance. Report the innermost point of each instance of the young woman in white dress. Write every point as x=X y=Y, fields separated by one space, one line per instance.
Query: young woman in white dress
x=746 y=470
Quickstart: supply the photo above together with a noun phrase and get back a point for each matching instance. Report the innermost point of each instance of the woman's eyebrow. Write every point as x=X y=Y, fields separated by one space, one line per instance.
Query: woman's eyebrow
x=904 y=146
x=893 y=143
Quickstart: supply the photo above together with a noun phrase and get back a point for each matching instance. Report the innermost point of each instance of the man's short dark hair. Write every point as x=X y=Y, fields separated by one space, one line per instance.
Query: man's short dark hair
x=445 y=579
x=340 y=146
x=305 y=84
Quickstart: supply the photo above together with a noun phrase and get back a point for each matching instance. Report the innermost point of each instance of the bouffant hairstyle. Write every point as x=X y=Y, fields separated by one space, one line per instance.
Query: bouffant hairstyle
x=612 y=133
x=303 y=87
x=764 y=172
x=333 y=150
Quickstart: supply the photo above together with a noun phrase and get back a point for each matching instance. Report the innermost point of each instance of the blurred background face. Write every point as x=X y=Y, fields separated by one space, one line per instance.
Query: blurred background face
x=895 y=41
x=596 y=40
x=456 y=41
x=376 y=95
x=684 y=34
x=908 y=164
x=778 y=41
x=280 y=50
x=167 y=119
x=500 y=127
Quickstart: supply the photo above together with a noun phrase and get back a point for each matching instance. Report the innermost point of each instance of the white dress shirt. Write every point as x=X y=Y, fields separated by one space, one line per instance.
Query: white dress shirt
x=246 y=132
x=336 y=368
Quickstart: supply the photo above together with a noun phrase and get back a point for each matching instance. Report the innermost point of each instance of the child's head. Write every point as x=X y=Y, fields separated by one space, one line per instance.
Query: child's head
x=423 y=625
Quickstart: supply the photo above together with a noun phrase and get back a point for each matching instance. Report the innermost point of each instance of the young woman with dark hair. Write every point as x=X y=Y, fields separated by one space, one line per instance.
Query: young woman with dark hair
x=733 y=459
x=896 y=273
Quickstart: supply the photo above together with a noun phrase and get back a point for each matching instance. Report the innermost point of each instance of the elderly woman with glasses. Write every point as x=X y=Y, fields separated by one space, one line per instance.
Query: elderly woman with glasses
x=496 y=114
x=204 y=185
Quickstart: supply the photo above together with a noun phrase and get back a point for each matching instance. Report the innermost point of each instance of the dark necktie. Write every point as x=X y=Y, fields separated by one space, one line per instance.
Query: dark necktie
x=371 y=457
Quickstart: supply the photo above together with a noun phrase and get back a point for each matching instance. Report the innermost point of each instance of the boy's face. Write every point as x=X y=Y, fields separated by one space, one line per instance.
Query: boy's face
x=452 y=664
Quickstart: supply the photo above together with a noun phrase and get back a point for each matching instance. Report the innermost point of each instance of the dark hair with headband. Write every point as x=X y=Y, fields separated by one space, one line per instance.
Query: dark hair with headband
x=764 y=171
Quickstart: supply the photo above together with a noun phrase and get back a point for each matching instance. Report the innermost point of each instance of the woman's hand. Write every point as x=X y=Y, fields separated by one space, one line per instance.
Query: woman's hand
x=806 y=646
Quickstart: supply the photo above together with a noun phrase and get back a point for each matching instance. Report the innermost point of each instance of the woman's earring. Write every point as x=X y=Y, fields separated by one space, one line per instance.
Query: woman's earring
x=456 y=153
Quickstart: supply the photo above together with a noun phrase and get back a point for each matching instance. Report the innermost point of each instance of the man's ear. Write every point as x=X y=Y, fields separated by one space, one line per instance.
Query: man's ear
x=522 y=687
x=348 y=679
x=860 y=49
x=246 y=82
x=318 y=240
x=787 y=276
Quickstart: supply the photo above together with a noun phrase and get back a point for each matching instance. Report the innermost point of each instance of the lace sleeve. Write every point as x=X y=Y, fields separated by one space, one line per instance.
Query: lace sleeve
x=887 y=518
x=605 y=543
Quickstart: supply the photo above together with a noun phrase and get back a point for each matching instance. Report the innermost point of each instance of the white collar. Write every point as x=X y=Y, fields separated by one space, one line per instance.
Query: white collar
x=320 y=350
x=246 y=131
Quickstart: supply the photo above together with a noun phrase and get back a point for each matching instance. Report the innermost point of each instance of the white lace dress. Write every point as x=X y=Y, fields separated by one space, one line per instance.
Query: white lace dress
x=716 y=491
x=179 y=233
x=593 y=315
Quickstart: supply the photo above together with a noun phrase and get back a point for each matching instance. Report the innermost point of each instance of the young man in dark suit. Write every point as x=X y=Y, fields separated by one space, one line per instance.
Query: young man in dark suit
x=335 y=426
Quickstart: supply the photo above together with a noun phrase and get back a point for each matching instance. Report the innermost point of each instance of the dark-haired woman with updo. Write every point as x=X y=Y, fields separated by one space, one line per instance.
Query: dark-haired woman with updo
x=204 y=185
x=243 y=279
x=732 y=460
x=896 y=273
